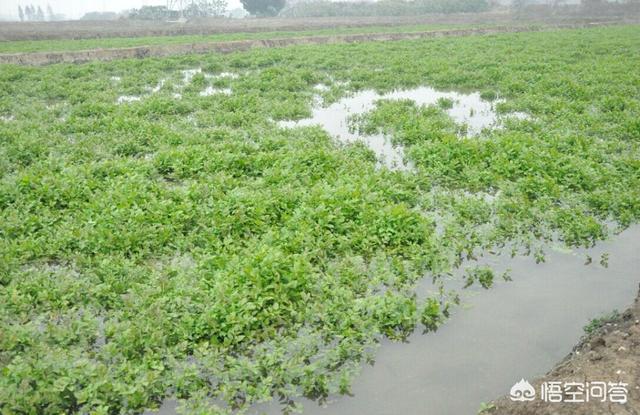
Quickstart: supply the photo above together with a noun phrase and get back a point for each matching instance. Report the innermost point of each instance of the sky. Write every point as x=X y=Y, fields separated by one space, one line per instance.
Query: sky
x=76 y=8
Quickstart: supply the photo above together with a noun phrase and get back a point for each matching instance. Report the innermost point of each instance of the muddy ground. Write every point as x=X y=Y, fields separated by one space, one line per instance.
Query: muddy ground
x=131 y=28
x=611 y=354
x=82 y=29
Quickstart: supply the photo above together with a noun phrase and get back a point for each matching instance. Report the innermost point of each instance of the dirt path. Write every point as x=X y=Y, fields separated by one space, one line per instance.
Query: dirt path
x=610 y=354
x=45 y=58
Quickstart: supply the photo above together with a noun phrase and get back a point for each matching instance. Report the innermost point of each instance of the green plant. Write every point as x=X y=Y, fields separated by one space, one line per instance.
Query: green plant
x=486 y=408
x=192 y=248
x=598 y=322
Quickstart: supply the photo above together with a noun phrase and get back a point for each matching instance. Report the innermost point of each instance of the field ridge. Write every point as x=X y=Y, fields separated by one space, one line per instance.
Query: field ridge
x=47 y=58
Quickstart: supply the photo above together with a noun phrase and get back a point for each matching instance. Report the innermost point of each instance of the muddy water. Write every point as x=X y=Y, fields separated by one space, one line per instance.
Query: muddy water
x=468 y=109
x=515 y=330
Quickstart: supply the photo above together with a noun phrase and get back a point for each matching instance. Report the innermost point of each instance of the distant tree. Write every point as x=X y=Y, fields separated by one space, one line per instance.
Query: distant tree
x=21 y=13
x=153 y=13
x=28 y=12
x=50 y=14
x=40 y=14
x=205 y=8
x=263 y=7
x=520 y=5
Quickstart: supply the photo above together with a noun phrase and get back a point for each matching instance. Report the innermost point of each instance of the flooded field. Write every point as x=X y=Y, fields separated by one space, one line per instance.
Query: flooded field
x=168 y=235
x=186 y=77
x=470 y=111
x=518 y=329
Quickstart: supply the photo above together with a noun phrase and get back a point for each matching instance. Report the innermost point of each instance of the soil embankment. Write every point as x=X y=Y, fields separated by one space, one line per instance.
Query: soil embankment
x=609 y=354
x=45 y=58
x=86 y=29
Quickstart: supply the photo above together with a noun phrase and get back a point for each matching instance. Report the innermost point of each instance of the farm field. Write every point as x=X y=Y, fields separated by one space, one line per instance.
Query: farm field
x=225 y=230
x=87 y=29
x=58 y=45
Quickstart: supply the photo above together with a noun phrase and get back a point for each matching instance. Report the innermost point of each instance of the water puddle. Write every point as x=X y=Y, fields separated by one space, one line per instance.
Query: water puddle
x=187 y=77
x=122 y=99
x=188 y=74
x=212 y=91
x=321 y=87
x=466 y=109
x=158 y=87
x=223 y=75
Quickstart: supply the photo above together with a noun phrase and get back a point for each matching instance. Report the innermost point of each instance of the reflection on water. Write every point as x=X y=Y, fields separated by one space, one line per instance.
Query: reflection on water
x=187 y=77
x=128 y=98
x=212 y=91
x=188 y=74
x=515 y=330
x=468 y=109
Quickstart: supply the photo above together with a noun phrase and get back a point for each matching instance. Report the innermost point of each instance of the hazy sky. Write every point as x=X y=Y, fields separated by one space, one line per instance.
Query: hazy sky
x=76 y=8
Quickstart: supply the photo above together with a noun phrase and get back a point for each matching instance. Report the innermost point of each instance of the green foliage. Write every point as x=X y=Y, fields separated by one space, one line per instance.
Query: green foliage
x=598 y=322
x=51 y=45
x=445 y=103
x=486 y=408
x=205 y=8
x=433 y=315
x=192 y=248
x=158 y=13
x=324 y=8
x=263 y=7
x=489 y=95
x=483 y=275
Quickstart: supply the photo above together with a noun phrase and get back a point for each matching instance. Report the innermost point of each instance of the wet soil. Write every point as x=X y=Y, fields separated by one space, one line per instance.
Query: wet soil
x=611 y=353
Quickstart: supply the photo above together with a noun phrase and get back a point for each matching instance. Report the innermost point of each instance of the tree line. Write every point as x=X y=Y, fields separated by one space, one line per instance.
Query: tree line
x=31 y=13
x=207 y=8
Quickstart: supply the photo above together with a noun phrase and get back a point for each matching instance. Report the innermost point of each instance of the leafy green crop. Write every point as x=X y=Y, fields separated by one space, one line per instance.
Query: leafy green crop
x=58 y=45
x=191 y=248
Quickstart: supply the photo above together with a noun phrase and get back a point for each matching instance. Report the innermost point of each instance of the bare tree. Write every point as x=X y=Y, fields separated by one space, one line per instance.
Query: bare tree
x=21 y=13
x=40 y=14
x=50 y=14
x=28 y=12
x=205 y=8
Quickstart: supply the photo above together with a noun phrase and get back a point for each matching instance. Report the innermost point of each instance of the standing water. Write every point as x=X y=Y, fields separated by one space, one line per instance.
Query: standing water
x=515 y=330
x=468 y=109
